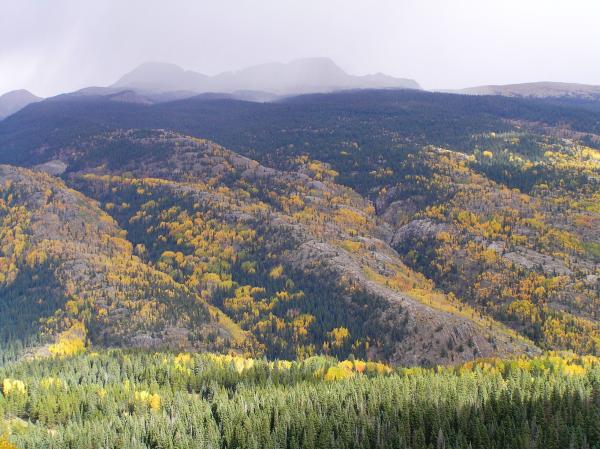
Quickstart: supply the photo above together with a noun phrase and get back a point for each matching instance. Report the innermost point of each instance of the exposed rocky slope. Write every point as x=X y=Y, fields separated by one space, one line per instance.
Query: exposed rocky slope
x=531 y=260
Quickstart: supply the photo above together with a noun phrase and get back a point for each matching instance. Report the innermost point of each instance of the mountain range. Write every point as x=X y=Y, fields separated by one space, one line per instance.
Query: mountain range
x=393 y=224
x=156 y=82
x=289 y=256
x=297 y=77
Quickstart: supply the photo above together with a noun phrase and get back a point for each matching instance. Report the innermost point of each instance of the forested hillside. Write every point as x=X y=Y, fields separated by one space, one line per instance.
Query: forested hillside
x=297 y=261
x=155 y=400
x=404 y=229
x=69 y=277
x=521 y=242
x=405 y=226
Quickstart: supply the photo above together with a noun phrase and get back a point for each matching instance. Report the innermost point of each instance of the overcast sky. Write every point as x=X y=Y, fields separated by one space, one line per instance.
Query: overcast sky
x=53 y=46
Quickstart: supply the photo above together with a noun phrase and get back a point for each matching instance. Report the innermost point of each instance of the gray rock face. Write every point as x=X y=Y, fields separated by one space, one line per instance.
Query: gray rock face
x=531 y=260
x=54 y=167
x=421 y=229
x=429 y=330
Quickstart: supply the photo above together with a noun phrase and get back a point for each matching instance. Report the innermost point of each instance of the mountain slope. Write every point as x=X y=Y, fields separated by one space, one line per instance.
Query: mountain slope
x=375 y=237
x=297 y=227
x=14 y=101
x=367 y=128
x=528 y=259
x=66 y=265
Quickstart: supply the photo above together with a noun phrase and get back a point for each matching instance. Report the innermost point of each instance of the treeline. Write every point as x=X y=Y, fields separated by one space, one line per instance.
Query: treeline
x=143 y=400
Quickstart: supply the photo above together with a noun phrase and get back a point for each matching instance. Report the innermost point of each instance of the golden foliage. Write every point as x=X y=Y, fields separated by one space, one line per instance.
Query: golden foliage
x=5 y=443
x=70 y=342
x=13 y=386
x=276 y=272
x=146 y=399
x=339 y=336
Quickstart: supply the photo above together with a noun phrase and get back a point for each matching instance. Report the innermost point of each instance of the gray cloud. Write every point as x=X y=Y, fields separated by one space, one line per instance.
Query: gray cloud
x=50 y=46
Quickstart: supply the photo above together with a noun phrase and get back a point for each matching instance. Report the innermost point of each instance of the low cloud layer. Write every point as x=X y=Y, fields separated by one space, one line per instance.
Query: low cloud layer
x=52 y=46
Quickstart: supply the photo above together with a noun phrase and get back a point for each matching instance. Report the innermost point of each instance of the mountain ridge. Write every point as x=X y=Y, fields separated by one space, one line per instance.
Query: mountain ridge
x=296 y=77
x=539 y=89
x=13 y=101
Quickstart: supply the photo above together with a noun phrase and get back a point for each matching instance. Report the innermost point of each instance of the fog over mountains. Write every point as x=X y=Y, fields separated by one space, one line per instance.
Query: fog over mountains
x=158 y=82
x=14 y=101
x=297 y=77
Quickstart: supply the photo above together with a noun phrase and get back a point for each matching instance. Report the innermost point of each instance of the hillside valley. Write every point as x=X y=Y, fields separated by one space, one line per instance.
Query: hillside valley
x=401 y=226
x=368 y=268
x=256 y=243
x=267 y=225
